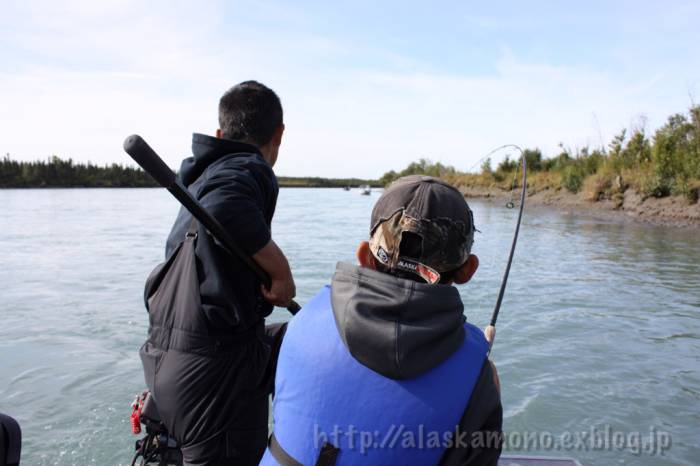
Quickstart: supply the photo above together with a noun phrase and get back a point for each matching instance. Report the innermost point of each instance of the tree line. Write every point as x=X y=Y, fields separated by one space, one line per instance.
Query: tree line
x=665 y=163
x=55 y=173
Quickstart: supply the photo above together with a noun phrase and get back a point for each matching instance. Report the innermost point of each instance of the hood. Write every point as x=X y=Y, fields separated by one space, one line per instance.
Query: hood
x=396 y=327
x=207 y=150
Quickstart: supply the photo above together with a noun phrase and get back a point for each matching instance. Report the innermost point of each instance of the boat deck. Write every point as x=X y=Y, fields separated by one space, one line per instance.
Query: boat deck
x=508 y=460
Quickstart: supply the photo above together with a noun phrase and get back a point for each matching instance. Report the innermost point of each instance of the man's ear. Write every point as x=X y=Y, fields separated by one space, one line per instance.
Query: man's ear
x=465 y=273
x=218 y=133
x=277 y=138
x=364 y=255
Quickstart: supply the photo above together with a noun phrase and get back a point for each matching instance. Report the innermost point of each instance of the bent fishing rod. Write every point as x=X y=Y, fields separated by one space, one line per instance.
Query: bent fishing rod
x=146 y=157
x=490 y=331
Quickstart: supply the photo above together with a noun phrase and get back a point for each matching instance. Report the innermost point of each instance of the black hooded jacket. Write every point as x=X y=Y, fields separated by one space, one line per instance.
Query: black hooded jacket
x=237 y=186
x=208 y=361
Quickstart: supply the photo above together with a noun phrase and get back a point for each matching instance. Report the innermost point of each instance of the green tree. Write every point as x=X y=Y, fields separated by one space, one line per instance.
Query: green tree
x=421 y=167
x=676 y=150
x=533 y=159
x=507 y=165
x=486 y=166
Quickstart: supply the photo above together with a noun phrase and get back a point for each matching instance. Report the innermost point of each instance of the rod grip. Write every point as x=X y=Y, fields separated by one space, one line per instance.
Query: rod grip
x=141 y=152
x=294 y=308
x=490 y=334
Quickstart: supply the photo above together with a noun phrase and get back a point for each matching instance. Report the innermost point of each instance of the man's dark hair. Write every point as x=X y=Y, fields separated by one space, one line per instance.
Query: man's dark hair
x=411 y=247
x=250 y=112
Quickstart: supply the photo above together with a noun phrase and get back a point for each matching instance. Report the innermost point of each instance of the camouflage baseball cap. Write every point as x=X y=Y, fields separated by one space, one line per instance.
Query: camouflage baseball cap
x=433 y=210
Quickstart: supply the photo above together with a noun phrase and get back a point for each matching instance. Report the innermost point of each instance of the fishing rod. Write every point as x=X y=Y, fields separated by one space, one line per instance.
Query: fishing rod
x=141 y=152
x=490 y=331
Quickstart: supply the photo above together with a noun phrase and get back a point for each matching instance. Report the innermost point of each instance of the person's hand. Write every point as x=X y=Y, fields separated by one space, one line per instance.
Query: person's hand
x=282 y=289
x=281 y=292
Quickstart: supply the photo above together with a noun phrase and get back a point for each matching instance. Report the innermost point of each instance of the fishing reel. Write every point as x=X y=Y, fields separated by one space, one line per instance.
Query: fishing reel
x=158 y=447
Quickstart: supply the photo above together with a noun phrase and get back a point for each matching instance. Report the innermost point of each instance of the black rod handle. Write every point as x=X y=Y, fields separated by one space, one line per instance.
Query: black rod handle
x=142 y=153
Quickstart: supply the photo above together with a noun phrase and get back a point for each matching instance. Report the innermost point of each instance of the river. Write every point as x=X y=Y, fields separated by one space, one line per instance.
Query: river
x=598 y=332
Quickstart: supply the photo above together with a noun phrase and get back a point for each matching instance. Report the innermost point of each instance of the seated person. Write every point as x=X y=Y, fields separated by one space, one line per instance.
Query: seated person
x=381 y=367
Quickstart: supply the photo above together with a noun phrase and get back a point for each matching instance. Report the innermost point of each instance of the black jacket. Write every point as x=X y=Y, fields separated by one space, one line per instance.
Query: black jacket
x=237 y=186
x=209 y=361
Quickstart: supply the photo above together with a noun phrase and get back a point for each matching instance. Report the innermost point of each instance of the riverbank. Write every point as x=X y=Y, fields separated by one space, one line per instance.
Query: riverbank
x=313 y=182
x=671 y=211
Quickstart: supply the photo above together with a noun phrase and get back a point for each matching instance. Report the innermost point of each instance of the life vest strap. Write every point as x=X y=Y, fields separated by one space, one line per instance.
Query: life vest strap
x=326 y=457
x=328 y=454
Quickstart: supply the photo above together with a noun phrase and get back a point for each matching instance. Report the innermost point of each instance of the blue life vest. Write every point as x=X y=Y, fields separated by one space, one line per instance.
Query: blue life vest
x=323 y=394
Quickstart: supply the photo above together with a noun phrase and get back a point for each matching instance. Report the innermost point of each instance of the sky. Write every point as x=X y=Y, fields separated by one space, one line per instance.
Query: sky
x=366 y=87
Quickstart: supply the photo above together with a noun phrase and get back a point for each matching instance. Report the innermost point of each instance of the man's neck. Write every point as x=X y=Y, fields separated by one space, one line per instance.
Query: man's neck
x=269 y=153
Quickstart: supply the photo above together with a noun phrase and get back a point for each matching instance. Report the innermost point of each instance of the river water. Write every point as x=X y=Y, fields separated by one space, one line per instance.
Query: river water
x=599 y=331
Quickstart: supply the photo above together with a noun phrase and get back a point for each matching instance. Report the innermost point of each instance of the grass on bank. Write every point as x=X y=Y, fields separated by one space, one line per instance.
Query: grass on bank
x=668 y=163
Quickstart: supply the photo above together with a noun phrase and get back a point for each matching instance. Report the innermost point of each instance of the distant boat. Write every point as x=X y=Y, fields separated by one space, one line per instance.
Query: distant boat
x=346 y=188
x=365 y=189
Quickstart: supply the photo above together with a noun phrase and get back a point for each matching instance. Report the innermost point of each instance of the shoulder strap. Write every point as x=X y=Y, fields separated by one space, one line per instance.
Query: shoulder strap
x=192 y=231
x=326 y=457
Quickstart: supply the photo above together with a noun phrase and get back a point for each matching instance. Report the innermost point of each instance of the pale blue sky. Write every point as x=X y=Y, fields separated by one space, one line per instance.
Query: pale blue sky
x=366 y=86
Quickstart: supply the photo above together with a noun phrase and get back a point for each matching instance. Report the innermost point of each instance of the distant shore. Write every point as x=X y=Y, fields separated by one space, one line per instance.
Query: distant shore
x=671 y=211
x=58 y=173
x=280 y=183
x=309 y=182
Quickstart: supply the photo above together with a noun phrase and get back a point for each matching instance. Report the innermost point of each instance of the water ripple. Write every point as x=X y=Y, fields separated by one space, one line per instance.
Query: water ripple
x=599 y=325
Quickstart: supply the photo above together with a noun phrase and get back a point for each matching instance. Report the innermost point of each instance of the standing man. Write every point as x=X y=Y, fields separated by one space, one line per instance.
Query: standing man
x=209 y=360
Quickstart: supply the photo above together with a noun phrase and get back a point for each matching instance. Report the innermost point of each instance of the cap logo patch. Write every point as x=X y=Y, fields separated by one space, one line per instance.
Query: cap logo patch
x=424 y=271
x=383 y=256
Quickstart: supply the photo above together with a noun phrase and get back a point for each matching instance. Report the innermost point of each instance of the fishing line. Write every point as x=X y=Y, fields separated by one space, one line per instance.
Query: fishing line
x=490 y=331
x=510 y=204
x=491 y=265
x=496 y=239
